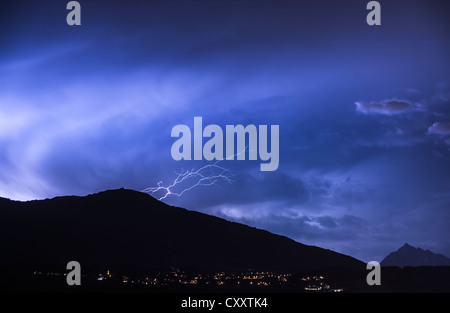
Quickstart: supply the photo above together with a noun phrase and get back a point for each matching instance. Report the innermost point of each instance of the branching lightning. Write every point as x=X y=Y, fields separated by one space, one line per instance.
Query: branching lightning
x=207 y=175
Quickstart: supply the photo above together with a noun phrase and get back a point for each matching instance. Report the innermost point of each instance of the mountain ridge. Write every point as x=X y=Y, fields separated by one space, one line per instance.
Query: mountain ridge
x=408 y=255
x=124 y=226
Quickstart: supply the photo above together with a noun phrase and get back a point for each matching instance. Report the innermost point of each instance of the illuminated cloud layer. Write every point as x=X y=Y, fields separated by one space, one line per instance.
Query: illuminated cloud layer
x=91 y=108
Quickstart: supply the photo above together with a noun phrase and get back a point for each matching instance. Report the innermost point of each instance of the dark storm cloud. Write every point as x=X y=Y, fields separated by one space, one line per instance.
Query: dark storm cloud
x=440 y=128
x=247 y=188
x=385 y=107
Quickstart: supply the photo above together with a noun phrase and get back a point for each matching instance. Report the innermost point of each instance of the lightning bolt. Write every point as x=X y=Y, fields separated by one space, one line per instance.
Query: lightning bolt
x=206 y=175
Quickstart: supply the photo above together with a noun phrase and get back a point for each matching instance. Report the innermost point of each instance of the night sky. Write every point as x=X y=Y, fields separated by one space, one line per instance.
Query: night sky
x=363 y=111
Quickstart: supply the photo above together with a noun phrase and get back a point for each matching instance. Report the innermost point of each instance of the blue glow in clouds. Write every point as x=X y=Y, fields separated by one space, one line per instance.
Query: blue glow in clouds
x=91 y=107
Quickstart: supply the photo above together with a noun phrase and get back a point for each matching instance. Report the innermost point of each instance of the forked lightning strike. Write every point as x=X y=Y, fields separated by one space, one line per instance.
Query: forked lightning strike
x=205 y=176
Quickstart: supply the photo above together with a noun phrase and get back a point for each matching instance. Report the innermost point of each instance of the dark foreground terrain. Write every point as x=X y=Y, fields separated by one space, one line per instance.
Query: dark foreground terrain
x=128 y=241
x=126 y=228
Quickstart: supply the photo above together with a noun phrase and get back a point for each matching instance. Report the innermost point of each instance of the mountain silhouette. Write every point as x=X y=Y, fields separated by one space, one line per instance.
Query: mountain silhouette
x=408 y=255
x=134 y=229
